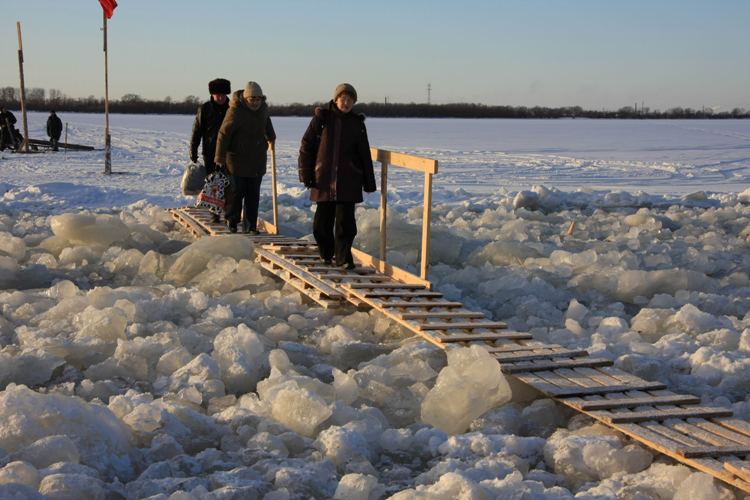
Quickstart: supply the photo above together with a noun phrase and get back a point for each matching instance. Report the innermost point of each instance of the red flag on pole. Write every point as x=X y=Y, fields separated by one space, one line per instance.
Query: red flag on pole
x=109 y=7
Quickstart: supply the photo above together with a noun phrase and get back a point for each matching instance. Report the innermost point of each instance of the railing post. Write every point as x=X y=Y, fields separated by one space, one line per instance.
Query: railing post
x=273 y=189
x=383 y=206
x=426 y=213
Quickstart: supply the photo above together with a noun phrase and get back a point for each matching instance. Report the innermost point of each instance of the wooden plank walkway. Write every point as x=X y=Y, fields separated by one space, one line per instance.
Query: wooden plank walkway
x=709 y=439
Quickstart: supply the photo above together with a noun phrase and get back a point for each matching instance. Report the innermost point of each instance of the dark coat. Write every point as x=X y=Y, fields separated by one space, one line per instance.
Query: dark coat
x=208 y=120
x=54 y=127
x=334 y=157
x=243 y=139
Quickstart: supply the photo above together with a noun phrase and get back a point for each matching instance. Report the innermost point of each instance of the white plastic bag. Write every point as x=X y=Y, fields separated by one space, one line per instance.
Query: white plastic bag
x=193 y=179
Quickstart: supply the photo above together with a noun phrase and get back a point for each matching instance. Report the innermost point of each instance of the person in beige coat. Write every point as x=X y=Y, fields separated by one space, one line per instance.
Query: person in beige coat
x=242 y=146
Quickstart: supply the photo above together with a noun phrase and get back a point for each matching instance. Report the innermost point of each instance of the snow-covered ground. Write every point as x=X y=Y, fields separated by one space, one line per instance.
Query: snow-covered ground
x=135 y=362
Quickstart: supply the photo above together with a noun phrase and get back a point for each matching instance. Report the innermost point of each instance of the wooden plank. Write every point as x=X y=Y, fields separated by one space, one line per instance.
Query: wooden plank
x=720 y=430
x=551 y=365
x=300 y=286
x=514 y=347
x=188 y=223
x=658 y=441
x=679 y=437
x=374 y=279
x=404 y=286
x=716 y=451
x=64 y=145
x=419 y=303
x=441 y=314
x=738 y=468
x=418 y=293
x=300 y=273
x=606 y=389
x=550 y=353
x=734 y=424
x=404 y=160
x=471 y=337
x=382 y=267
x=642 y=416
x=629 y=402
x=702 y=434
x=466 y=325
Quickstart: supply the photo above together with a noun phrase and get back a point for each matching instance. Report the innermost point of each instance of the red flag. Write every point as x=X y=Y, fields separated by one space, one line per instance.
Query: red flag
x=109 y=7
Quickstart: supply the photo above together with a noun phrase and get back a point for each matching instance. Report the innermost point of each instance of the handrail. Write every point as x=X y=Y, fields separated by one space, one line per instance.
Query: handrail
x=411 y=162
x=386 y=158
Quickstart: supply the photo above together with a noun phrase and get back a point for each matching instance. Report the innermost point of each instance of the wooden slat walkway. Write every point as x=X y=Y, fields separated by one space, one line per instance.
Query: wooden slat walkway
x=709 y=439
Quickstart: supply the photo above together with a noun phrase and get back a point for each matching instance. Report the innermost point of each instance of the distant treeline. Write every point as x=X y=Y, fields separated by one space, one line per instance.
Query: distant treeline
x=38 y=100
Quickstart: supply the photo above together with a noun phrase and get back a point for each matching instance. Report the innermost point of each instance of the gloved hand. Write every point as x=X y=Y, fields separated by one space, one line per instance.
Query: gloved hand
x=309 y=183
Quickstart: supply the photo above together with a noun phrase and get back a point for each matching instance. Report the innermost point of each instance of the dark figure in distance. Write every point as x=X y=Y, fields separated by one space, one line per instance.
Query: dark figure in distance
x=9 y=136
x=54 y=129
x=335 y=163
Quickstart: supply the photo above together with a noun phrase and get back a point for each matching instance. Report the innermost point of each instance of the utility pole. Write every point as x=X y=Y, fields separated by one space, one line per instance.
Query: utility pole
x=107 y=137
x=25 y=144
x=429 y=89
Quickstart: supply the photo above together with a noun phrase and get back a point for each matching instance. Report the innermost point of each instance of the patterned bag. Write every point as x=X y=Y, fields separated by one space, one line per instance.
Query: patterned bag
x=215 y=192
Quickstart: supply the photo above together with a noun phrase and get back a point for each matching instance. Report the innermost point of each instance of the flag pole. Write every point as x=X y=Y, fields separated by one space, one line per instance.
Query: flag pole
x=107 y=138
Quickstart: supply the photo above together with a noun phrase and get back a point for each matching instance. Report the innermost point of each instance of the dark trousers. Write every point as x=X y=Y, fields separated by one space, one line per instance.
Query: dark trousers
x=247 y=189
x=54 y=141
x=334 y=228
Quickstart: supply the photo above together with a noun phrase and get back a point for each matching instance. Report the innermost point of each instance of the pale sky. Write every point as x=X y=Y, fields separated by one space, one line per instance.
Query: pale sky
x=592 y=53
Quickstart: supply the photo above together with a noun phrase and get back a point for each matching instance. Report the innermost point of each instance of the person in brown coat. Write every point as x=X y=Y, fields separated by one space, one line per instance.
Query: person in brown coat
x=335 y=163
x=242 y=147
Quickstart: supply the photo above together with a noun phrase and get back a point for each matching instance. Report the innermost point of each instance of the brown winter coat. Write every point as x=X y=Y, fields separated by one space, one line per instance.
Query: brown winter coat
x=243 y=138
x=334 y=157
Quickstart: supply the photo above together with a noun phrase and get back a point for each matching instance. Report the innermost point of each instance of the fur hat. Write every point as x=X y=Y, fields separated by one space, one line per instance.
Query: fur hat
x=345 y=87
x=252 y=89
x=219 y=86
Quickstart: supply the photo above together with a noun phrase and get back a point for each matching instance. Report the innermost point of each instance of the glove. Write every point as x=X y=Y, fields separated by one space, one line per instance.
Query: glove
x=370 y=188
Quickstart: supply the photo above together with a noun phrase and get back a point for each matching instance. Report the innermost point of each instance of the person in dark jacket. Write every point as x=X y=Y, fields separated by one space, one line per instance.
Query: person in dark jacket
x=54 y=129
x=242 y=147
x=8 y=134
x=208 y=120
x=335 y=163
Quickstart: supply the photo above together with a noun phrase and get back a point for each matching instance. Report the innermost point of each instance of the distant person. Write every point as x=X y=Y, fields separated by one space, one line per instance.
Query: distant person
x=242 y=147
x=335 y=163
x=8 y=133
x=54 y=129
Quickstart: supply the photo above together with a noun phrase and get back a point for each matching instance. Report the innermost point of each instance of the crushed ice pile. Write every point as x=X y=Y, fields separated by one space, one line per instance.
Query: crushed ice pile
x=137 y=363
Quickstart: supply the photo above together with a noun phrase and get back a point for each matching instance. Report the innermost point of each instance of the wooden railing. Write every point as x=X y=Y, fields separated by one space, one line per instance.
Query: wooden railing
x=386 y=159
x=411 y=162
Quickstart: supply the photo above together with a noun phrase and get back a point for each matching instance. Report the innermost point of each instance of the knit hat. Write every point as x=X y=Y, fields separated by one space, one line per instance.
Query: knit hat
x=252 y=89
x=219 y=86
x=344 y=87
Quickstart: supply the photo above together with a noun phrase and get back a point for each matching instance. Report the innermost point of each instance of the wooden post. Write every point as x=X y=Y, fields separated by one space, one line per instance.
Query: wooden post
x=383 y=206
x=107 y=138
x=273 y=190
x=66 y=140
x=25 y=144
x=426 y=213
